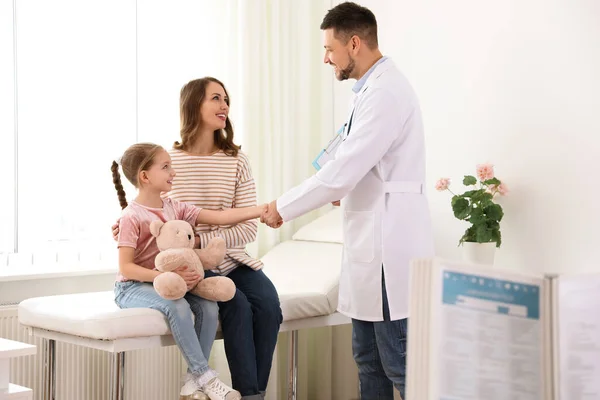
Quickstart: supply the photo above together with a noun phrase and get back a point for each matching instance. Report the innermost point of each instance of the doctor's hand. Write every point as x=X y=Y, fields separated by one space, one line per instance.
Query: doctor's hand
x=271 y=216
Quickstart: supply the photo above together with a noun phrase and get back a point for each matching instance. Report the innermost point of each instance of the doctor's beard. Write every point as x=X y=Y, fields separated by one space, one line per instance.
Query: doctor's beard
x=344 y=74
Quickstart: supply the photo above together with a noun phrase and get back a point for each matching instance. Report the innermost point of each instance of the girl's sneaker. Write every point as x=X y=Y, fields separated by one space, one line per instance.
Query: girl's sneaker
x=217 y=390
x=190 y=390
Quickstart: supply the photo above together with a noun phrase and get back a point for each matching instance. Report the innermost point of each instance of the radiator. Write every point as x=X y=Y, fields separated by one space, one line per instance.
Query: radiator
x=83 y=374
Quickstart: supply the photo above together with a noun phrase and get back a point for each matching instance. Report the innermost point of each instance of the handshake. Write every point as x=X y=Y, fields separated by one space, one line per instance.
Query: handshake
x=270 y=216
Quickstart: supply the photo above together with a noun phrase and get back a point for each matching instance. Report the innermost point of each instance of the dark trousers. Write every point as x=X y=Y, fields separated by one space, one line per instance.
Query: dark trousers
x=250 y=323
x=379 y=349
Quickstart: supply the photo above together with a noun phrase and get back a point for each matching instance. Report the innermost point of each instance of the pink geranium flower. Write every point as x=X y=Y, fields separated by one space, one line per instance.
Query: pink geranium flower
x=500 y=189
x=442 y=184
x=503 y=189
x=485 y=172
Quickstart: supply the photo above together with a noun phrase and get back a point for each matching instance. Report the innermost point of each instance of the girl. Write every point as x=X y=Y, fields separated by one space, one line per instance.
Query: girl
x=148 y=167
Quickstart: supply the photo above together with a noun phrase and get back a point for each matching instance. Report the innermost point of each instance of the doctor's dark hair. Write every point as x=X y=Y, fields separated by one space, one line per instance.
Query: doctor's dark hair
x=191 y=97
x=136 y=158
x=349 y=19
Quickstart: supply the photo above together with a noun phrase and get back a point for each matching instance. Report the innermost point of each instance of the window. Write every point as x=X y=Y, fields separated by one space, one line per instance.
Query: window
x=91 y=78
x=176 y=44
x=76 y=110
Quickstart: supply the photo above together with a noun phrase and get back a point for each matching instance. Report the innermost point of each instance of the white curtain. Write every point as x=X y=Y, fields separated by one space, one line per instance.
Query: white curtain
x=282 y=105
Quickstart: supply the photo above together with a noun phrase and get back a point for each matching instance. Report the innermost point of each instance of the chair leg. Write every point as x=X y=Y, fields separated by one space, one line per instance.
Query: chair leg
x=117 y=378
x=49 y=376
x=292 y=390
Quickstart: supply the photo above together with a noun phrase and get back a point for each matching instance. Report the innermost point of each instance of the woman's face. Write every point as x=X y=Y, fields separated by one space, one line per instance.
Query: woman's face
x=215 y=107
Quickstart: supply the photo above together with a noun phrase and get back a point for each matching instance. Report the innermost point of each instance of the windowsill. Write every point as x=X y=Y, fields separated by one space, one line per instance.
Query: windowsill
x=31 y=272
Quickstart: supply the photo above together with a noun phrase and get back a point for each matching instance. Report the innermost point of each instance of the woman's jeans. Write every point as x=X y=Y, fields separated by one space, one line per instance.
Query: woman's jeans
x=195 y=340
x=250 y=323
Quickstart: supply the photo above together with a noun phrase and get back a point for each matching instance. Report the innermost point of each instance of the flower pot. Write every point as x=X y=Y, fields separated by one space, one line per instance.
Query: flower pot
x=479 y=253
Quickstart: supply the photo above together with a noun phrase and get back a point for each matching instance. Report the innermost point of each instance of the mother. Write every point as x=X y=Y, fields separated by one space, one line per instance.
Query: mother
x=213 y=173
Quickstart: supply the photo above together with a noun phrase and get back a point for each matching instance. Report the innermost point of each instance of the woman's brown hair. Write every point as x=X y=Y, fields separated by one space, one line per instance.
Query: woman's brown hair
x=190 y=100
x=136 y=158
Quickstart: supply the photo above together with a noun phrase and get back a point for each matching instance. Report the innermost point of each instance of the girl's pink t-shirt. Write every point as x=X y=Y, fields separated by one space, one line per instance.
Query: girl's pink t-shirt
x=134 y=228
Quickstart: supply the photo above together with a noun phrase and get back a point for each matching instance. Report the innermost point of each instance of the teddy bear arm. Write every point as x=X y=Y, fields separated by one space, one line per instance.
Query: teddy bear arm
x=169 y=260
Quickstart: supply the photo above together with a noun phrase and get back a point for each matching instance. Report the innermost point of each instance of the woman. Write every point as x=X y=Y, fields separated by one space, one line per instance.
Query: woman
x=213 y=173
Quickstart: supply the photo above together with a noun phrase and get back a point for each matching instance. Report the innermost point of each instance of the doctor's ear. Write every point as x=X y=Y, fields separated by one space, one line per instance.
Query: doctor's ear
x=355 y=42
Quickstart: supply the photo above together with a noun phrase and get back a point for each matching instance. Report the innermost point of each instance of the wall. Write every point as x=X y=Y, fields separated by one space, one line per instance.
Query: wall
x=516 y=84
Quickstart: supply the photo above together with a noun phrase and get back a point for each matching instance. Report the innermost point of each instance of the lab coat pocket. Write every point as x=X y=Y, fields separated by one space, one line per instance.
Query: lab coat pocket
x=359 y=238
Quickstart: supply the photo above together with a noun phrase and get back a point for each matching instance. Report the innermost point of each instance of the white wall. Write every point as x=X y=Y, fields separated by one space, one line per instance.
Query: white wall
x=515 y=83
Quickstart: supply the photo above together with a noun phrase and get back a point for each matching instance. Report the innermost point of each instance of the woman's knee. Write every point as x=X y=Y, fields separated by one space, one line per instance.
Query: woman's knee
x=237 y=307
x=268 y=308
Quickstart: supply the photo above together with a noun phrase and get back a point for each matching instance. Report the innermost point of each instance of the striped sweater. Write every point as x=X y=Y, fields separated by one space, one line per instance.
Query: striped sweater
x=215 y=182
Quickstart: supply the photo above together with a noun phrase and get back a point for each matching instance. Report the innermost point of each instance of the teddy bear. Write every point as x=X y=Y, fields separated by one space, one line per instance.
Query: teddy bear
x=175 y=240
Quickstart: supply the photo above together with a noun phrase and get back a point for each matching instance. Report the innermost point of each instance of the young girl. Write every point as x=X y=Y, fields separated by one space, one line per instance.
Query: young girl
x=148 y=167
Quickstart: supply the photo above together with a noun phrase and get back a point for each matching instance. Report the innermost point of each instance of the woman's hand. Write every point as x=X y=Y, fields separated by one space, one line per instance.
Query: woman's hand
x=191 y=277
x=270 y=215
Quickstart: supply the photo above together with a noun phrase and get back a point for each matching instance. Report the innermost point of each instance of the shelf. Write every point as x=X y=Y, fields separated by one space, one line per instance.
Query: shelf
x=16 y=392
x=11 y=349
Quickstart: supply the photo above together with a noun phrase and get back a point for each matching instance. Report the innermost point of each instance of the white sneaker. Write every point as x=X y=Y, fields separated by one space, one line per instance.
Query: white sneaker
x=217 y=390
x=190 y=390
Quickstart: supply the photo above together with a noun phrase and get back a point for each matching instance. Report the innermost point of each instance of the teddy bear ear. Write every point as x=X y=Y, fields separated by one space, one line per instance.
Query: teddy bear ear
x=155 y=227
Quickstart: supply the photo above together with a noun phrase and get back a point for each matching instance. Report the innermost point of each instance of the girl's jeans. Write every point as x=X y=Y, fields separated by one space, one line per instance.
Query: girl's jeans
x=195 y=340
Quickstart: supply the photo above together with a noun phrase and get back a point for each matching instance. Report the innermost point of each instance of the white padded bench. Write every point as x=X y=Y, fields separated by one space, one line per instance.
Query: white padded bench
x=305 y=271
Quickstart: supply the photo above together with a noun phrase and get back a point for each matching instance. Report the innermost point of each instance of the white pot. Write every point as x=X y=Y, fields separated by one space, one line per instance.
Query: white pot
x=479 y=253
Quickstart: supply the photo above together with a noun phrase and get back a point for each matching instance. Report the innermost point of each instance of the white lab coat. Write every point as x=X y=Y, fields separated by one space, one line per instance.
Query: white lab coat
x=379 y=173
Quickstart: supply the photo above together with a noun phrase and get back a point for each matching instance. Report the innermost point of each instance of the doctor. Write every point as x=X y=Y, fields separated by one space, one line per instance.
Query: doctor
x=379 y=173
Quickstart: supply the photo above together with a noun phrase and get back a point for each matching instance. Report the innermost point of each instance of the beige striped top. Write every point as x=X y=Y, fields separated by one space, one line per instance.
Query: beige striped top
x=214 y=182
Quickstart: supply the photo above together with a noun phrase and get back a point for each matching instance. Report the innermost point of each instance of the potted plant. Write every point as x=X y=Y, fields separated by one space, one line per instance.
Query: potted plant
x=477 y=207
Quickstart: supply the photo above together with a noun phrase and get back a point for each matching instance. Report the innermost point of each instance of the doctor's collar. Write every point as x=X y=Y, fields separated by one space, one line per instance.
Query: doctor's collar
x=361 y=82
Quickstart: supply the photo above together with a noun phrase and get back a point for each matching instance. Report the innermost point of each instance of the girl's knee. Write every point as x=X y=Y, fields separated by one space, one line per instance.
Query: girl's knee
x=177 y=308
x=211 y=309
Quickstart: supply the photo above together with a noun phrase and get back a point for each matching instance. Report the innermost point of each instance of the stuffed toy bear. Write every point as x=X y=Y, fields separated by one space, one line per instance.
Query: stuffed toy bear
x=175 y=240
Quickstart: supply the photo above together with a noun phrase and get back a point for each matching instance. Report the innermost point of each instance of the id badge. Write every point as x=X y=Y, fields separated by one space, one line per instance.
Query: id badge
x=328 y=153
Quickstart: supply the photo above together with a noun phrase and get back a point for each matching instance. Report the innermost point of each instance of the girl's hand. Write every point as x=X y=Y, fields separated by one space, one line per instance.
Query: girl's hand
x=191 y=277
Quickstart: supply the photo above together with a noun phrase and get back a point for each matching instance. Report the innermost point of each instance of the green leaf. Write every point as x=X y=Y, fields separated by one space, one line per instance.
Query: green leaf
x=497 y=237
x=468 y=236
x=483 y=234
x=469 y=180
x=493 y=181
x=494 y=212
x=481 y=196
x=460 y=207
x=477 y=216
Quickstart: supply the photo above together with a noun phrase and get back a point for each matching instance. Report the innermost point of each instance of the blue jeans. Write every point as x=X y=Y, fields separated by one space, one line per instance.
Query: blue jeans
x=379 y=350
x=195 y=340
x=250 y=323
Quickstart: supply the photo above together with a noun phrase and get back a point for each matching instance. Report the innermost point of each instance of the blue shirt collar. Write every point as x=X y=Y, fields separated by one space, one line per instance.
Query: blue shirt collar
x=361 y=82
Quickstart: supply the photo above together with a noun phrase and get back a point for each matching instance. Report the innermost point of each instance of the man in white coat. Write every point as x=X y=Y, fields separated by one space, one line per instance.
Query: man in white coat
x=379 y=174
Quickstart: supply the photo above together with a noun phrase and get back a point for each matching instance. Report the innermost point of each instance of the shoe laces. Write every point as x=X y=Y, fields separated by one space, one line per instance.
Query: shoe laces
x=218 y=387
